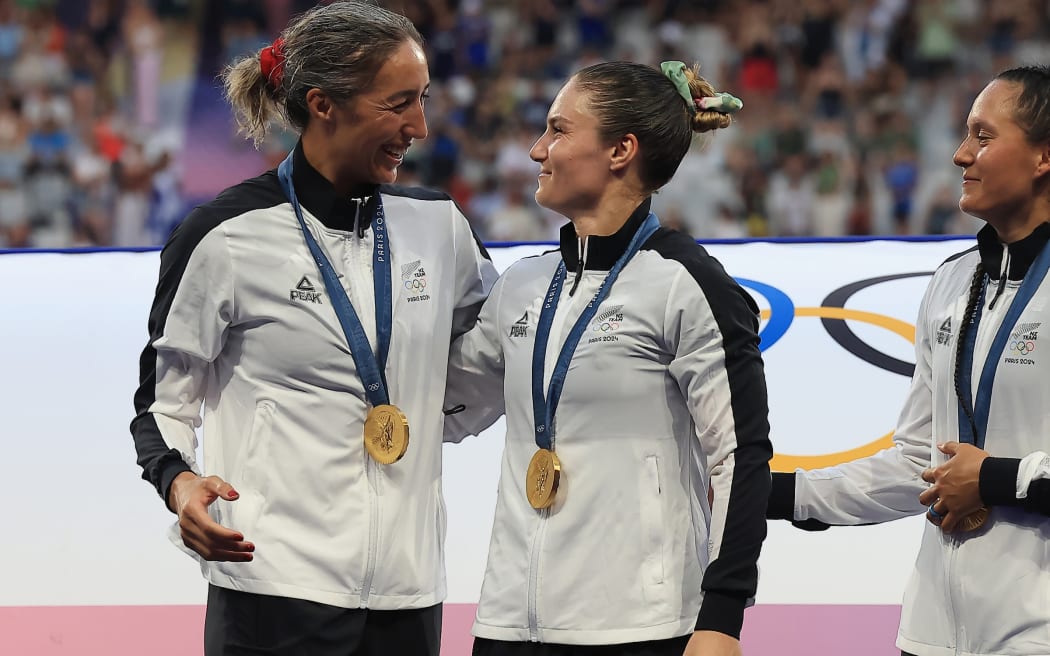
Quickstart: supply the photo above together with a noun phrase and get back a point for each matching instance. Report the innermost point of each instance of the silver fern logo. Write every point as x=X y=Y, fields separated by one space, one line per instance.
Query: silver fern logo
x=606 y=324
x=1022 y=342
x=408 y=269
x=608 y=320
x=1026 y=330
x=414 y=281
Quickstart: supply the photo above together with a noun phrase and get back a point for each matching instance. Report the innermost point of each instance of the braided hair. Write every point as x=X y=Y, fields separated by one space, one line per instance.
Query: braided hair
x=969 y=314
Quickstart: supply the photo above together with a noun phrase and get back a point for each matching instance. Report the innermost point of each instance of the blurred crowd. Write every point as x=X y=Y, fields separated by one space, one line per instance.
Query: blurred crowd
x=85 y=152
x=852 y=109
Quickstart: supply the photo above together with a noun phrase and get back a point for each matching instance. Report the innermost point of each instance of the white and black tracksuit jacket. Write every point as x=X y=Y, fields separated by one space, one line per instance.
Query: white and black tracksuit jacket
x=665 y=399
x=985 y=592
x=242 y=324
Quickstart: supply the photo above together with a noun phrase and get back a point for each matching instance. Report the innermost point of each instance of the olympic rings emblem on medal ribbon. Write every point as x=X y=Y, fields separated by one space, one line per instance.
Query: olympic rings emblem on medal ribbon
x=833 y=315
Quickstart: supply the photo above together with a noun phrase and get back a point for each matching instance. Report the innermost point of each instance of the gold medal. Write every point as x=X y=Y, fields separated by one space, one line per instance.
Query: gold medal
x=541 y=479
x=974 y=520
x=386 y=434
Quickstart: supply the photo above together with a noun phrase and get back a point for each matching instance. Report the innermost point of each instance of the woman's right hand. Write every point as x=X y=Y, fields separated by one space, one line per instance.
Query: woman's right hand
x=190 y=497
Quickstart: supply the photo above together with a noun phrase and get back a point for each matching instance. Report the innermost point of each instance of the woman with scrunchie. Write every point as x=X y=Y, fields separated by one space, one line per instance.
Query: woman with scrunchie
x=632 y=497
x=309 y=310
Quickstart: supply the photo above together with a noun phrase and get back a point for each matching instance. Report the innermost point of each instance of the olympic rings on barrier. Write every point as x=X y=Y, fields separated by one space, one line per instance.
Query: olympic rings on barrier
x=782 y=312
x=779 y=318
x=787 y=462
x=847 y=339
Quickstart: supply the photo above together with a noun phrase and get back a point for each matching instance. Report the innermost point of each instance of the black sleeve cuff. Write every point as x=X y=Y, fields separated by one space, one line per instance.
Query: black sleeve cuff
x=782 y=497
x=721 y=613
x=998 y=481
x=782 y=503
x=1038 y=499
x=171 y=465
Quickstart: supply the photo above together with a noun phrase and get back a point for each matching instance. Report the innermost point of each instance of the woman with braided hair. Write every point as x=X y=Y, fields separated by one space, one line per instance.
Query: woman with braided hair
x=629 y=364
x=309 y=310
x=972 y=443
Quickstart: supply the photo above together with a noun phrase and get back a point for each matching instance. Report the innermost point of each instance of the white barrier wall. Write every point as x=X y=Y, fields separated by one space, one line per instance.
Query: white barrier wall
x=81 y=528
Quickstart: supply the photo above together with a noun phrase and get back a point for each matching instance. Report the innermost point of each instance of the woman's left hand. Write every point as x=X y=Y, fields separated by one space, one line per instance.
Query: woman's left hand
x=712 y=643
x=956 y=489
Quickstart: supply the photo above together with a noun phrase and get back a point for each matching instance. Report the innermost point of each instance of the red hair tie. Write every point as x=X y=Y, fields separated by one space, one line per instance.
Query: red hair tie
x=271 y=62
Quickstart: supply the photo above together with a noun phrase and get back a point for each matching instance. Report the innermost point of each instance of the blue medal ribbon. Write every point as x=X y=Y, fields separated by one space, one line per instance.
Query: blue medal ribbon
x=982 y=406
x=543 y=409
x=371 y=367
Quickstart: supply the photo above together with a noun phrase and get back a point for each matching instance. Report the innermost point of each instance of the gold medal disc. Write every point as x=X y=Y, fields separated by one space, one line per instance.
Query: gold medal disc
x=386 y=434
x=541 y=479
x=974 y=520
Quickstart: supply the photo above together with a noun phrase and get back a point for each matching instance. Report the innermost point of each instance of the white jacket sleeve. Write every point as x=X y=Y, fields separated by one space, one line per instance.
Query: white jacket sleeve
x=712 y=326
x=475 y=274
x=886 y=485
x=474 y=386
x=192 y=310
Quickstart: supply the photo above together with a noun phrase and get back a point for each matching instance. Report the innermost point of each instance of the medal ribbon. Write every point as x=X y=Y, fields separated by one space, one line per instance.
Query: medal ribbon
x=371 y=367
x=543 y=410
x=981 y=408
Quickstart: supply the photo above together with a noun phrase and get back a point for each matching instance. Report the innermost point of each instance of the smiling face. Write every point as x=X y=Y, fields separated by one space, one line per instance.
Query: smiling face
x=1001 y=168
x=373 y=130
x=574 y=163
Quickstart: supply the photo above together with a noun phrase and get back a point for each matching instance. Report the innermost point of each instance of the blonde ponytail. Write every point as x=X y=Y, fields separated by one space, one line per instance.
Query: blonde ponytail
x=253 y=100
x=704 y=120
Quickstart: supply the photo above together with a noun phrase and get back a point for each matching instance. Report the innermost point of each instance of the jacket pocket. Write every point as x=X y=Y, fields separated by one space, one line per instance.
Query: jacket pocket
x=248 y=475
x=255 y=456
x=652 y=521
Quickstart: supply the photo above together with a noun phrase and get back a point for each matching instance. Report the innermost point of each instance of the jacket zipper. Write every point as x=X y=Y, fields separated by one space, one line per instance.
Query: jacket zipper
x=354 y=246
x=534 y=576
x=581 y=252
x=553 y=349
x=953 y=544
x=372 y=470
x=1002 y=277
x=950 y=585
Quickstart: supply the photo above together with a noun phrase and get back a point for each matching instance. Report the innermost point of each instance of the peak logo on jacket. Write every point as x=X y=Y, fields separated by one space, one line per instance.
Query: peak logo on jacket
x=1022 y=343
x=305 y=292
x=944 y=333
x=414 y=280
x=605 y=325
x=520 y=328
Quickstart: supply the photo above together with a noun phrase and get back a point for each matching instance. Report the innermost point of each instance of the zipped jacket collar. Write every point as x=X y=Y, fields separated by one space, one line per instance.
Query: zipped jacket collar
x=601 y=251
x=320 y=198
x=1019 y=255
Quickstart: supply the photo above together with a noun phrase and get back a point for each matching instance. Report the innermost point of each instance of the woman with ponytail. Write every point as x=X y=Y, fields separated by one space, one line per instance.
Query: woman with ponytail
x=309 y=311
x=631 y=504
x=972 y=446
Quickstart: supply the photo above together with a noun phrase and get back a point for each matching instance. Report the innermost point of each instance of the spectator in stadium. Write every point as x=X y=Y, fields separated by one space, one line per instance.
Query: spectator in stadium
x=297 y=308
x=664 y=404
x=971 y=448
x=854 y=66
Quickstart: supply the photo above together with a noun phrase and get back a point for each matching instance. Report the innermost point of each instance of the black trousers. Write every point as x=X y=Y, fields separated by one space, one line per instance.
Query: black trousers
x=669 y=647
x=246 y=624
